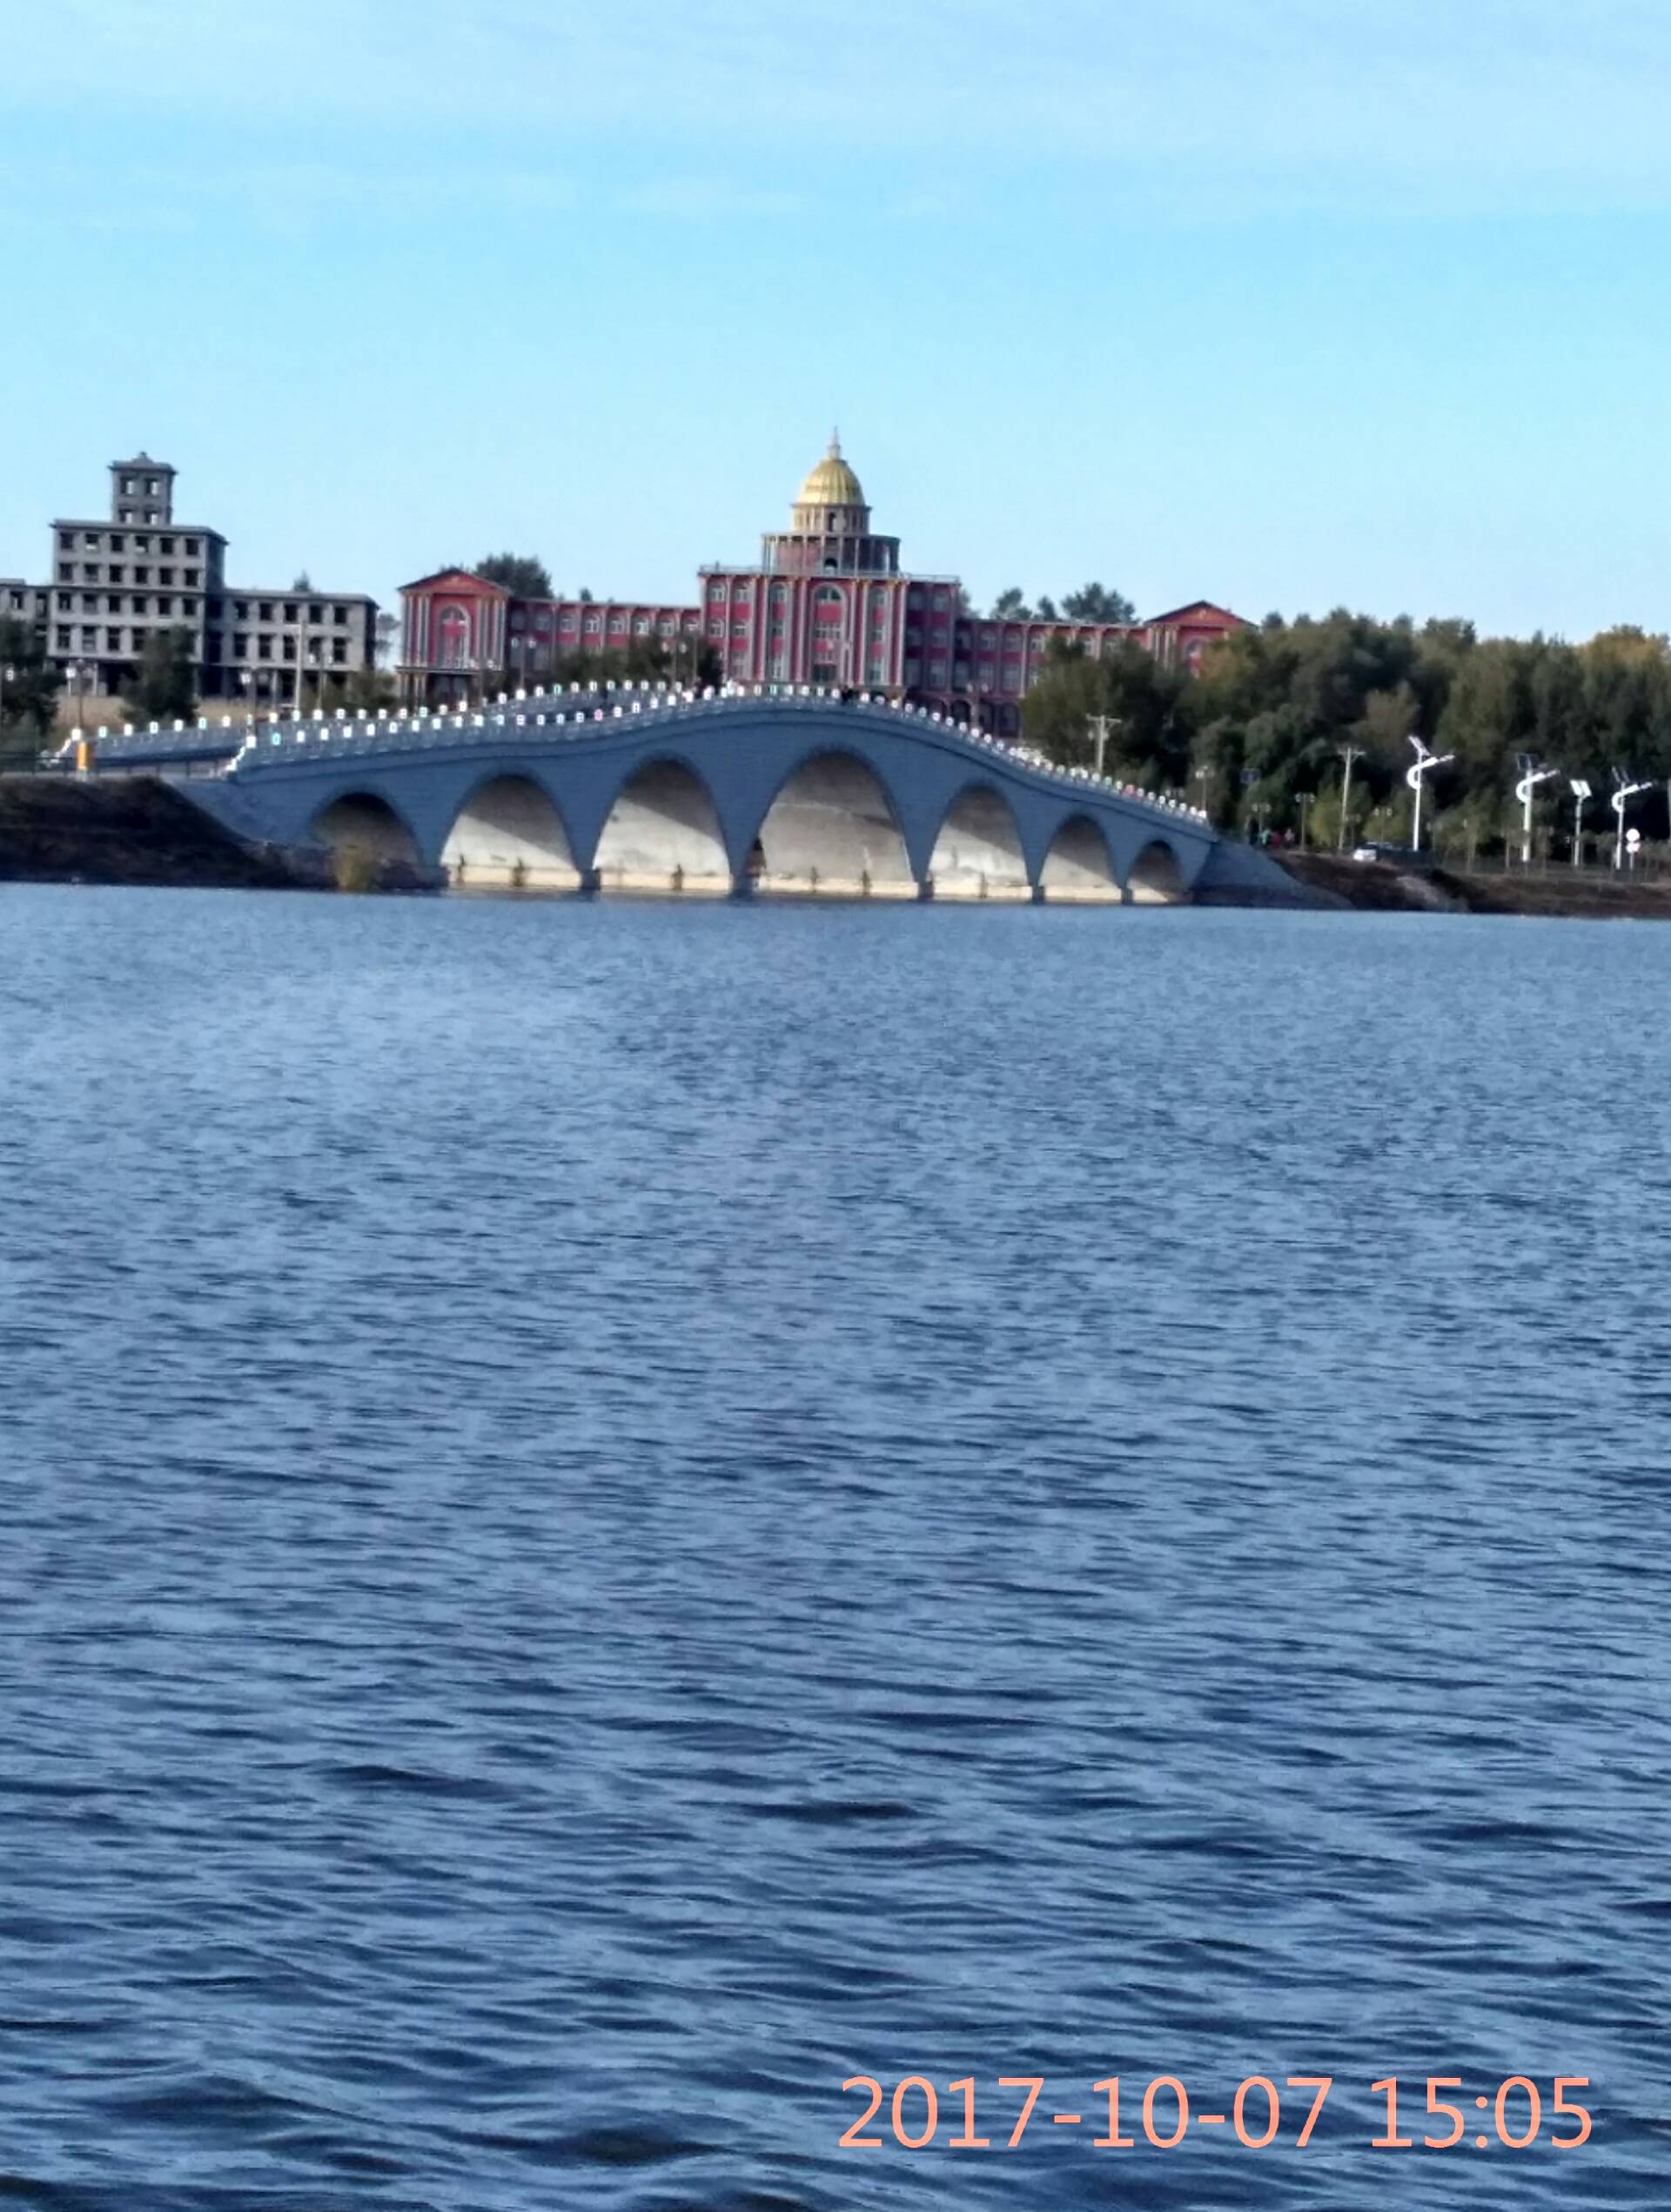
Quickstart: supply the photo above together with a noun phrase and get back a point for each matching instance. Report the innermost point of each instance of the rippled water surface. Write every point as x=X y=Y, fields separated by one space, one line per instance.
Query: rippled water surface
x=614 y=1514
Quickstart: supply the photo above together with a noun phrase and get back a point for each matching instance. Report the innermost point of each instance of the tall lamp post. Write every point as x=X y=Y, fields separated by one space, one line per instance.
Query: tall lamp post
x=1580 y=791
x=1099 y=726
x=1531 y=776
x=1348 y=753
x=1621 y=798
x=1415 y=775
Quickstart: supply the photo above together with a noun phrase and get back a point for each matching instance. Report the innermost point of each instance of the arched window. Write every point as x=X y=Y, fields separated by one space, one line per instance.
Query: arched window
x=453 y=630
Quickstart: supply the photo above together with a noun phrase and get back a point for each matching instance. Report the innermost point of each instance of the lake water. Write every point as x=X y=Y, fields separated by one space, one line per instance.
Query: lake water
x=611 y=1515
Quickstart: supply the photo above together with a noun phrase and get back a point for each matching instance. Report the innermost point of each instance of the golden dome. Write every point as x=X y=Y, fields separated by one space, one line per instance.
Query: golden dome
x=832 y=483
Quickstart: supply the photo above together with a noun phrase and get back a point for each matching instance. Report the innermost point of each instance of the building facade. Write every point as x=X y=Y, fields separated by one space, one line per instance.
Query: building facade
x=826 y=603
x=117 y=580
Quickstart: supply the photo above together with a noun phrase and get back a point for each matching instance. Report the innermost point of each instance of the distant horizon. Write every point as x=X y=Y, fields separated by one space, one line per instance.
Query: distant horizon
x=1280 y=312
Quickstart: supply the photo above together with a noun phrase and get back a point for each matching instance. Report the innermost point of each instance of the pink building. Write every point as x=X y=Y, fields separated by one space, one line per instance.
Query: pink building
x=826 y=603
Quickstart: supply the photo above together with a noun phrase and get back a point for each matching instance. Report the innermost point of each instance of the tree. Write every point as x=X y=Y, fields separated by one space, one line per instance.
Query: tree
x=365 y=690
x=1010 y=607
x=29 y=695
x=1047 y=610
x=521 y=574
x=1095 y=603
x=161 y=688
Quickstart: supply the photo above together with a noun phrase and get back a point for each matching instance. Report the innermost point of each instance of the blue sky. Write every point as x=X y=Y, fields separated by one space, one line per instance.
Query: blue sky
x=1288 y=304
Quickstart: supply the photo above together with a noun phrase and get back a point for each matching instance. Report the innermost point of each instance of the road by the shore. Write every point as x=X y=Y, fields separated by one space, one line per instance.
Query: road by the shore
x=1596 y=895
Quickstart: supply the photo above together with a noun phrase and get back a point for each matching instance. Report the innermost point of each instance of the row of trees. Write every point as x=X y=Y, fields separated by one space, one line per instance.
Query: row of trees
x=1259 y=734
x=1091 y=603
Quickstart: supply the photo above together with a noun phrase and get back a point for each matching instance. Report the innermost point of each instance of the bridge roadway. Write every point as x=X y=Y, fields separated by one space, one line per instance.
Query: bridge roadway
x=649 y=789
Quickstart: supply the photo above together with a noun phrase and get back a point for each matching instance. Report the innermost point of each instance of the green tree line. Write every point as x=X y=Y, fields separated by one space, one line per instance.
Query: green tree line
x=1259 y=734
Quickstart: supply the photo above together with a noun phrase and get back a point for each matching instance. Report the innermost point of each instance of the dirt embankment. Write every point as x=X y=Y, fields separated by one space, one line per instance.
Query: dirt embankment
x=133 y=829
x=1592 y=895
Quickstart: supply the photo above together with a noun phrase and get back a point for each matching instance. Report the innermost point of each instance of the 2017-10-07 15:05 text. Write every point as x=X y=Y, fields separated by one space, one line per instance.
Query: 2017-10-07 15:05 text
x=1512 y=2114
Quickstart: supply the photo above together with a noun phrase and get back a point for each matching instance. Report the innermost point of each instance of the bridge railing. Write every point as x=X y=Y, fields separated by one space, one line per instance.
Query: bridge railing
x=578 y=712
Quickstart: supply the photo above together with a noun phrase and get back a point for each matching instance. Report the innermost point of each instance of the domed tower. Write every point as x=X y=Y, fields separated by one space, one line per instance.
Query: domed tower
x=829 y=528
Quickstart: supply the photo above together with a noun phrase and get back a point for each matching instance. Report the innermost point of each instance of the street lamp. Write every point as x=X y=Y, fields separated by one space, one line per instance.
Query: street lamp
x=1348 y=753
x=1581 y=800
x=1305 y=799
x=1099 y=726
x=1621 y=798
x=1414 y=775
x=1531 y=776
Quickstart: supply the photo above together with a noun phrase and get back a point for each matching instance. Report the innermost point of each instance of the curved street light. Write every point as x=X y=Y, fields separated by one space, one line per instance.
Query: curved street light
x=1414 y=775
x=1621 y=798
x=1531 y=776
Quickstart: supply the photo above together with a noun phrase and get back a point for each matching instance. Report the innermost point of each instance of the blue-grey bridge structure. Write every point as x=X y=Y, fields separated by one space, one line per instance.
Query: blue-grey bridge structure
x=649 y=788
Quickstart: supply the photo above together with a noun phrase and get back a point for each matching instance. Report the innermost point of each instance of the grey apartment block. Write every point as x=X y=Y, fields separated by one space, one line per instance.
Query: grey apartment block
x=116 y=581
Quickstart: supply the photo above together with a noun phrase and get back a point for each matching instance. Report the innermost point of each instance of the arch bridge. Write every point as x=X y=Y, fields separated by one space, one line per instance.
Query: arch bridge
x=647 y=789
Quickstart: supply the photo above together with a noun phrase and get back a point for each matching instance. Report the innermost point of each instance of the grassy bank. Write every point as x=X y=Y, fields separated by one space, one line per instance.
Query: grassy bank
x=53 y=829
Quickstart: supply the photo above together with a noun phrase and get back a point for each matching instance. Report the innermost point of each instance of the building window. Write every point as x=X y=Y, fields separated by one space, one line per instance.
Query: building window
x=166 y=545
x=90 y=572
x=339 y=651
x=192 y=547
x=64 y=602
x=339 y=616
x=291 y=613
x=264 y=612
x=642 y=626
x=62 y=638
x=90 y=539
x=192 y=577
x=240 y=610
x=240 y=645
x=593 y=625
x=66 y=541
x=90 y=640
x=264 y=648
x=142 y=575
x=112 y=640
x=289 y=649
x=164 y=575
x=150 y=487
x=739 y=631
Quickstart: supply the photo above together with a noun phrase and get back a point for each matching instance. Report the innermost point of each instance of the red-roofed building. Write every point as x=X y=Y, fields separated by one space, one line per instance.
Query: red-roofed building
x=828 y=603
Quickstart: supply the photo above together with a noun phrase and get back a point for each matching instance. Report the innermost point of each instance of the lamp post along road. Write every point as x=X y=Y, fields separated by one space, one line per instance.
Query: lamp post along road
x=1581 y=800
x=1099 y=726
x=1414 y=776
x=1621 y=798
x=1525 y=791
x=1348 y=753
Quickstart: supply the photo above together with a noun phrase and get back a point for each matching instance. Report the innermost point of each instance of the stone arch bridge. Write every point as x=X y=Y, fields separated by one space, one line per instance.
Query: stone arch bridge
x=646 y=788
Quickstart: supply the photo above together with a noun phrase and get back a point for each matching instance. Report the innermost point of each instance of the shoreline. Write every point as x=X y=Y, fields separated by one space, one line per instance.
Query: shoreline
x=1574 y=894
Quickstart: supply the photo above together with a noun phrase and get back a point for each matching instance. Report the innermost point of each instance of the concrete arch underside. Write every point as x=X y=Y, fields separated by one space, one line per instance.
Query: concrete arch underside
x=978 y=852
x=1078 y=868
x=360 y=822
x=663 y=834
x=831 y=831
x=1155 y=877
x=509 y=836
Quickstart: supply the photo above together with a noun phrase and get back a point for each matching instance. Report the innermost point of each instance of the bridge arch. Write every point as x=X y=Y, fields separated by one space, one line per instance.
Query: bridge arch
x=978 y=852
x=662 y=832
x=1078 y=864
x=363 y=820
x=833 y=826
x=508 y=831
x=1156 y=876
